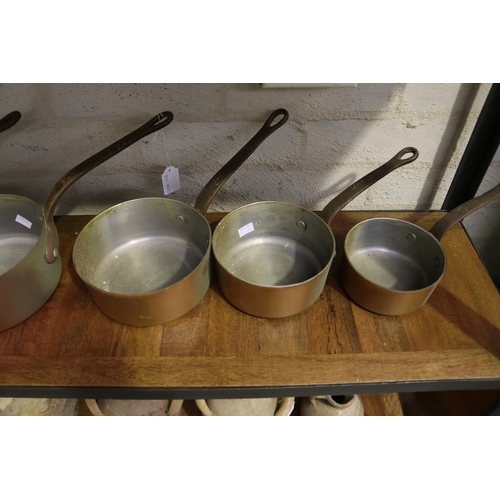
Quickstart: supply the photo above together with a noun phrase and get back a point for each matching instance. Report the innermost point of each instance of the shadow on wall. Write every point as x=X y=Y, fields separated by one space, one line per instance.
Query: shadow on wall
x=483 y=228
x=334 y=136
x=449 y=143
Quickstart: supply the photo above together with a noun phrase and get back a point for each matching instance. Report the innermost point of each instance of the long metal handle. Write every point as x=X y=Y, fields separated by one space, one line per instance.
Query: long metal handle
x=9 y=120
x=346 y=196
x=157 y=123
x=457 y=214
x=219 y=179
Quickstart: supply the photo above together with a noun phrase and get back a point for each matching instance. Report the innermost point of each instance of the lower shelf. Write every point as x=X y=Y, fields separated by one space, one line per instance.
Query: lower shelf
x=374 y=404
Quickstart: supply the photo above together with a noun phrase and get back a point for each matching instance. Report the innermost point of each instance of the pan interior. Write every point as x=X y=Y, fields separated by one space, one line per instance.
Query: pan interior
x=395 y=254
x=141 y=246
x=21 y=223
x=273 y=244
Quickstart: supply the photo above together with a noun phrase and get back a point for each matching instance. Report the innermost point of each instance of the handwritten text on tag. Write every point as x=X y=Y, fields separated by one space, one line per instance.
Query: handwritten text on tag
x=170 y=180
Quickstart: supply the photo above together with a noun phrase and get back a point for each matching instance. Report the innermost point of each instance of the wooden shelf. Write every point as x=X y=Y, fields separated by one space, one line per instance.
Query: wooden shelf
x=70 y=349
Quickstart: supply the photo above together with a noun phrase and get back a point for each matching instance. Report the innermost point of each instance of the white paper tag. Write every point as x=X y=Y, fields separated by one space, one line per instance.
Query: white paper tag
x=25 y=222
x=170 y=179
x=247 y=228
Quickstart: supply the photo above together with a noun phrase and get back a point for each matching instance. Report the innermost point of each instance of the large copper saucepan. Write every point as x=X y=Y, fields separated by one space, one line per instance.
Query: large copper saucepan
x=392 y=266
x=272 y=258
x=30 y=265
x=147 y=261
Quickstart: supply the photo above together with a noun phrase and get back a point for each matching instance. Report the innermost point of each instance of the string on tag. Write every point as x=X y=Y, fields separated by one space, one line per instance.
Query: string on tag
x=170 y=177
x=167 y=162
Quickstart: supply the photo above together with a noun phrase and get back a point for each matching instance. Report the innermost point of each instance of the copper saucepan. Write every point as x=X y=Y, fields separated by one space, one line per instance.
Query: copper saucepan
x=272 y=258
x=147 y=261
x=392 y=266
x=30 y=265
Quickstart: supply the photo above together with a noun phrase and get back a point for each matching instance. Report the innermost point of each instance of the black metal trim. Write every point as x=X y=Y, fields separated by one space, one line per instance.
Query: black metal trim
x=245 y=392
x=478 y=154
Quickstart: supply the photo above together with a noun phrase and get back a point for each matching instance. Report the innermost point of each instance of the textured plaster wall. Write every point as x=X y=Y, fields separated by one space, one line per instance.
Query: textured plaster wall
x=333 y=137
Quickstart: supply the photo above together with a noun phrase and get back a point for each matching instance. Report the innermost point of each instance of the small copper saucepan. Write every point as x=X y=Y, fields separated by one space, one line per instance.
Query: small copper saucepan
x=272 y=258
x=392 y=266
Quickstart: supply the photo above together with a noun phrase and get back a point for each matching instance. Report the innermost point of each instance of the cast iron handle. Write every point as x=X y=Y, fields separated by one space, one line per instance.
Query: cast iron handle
x=9 y=120
x=346 y=196
x=458 y=213
x=219 y=179
x=157 y=123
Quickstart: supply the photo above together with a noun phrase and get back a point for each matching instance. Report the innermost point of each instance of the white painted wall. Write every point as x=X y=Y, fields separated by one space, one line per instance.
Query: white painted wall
x=334 y=136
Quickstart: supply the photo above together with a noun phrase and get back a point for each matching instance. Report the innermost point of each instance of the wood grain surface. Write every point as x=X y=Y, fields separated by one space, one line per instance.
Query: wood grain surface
x=455 y=338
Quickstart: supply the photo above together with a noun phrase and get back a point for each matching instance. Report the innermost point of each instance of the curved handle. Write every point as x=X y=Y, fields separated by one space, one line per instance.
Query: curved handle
x=9 y=120
x=218 y=180
x=285 y=407
x=314 y=399
x=203 y=407
x=157 y=123
x=346 y=196
x=56 y=407
x=175 y=408
x=94 y=408
x=458 y=213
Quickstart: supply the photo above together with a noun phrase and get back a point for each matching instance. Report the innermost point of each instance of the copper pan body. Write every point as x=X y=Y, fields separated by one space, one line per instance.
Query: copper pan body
x=145 y=261
x=391 y=266
x=280 y=267
x=27 y=280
